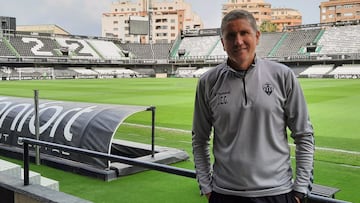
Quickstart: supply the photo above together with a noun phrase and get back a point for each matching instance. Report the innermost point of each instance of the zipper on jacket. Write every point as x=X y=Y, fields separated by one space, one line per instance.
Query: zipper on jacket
x=244 y=84
x=242 y=75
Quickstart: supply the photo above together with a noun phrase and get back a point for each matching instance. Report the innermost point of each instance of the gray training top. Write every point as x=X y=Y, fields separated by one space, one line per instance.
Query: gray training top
x=249 y=112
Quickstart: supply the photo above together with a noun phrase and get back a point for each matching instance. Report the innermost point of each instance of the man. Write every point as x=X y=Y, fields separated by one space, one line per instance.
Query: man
x=249 y=103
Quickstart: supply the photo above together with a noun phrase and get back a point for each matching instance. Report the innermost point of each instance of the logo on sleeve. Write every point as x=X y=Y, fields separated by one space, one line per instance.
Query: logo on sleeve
x=268 y=88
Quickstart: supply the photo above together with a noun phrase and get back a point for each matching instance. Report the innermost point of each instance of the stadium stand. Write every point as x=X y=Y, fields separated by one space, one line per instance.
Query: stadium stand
x=299 y=48
x=346 y=71
x=317 y=70
x=4 y=72
x=145 y=72
x=267 y=42
x=185 y=72
x=26 y=73
x=198 y=46
x=147 y=51
x=339 y=40
x=30 y=73
x=64 y=73
x=298 y=69
x=294 y=43
x=4 y=50
x=107 y=49
x=162 y=50
x=78 y=48
x=85 y=72
x=218 y=50
x=135 y=51
x=115 y=73
x=31 y=46
x=201 y=71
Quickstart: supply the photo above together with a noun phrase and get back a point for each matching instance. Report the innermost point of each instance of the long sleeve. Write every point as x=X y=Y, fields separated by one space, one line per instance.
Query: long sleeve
x=200 y=140
x=302 y=132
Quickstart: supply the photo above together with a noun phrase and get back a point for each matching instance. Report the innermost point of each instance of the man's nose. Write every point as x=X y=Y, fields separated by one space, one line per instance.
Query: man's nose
x=239 y=40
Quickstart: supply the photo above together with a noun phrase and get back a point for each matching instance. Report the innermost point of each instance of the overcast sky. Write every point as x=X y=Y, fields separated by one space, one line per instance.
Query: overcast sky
x=83 y=17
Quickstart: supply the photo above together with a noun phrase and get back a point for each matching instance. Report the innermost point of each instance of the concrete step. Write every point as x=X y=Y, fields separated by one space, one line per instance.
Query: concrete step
x=10 y=169
x=15 y=171
x=49 y=183
x=34 y=177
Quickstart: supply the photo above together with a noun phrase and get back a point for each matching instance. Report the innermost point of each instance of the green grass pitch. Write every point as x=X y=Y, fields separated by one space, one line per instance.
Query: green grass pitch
x=334 y=107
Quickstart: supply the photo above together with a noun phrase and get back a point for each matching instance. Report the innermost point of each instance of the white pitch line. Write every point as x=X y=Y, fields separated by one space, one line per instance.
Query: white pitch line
x=189 y=131
x=186 y=142
x=344 y=165
x=162 y=128
x=350 y=166
x=334 y=150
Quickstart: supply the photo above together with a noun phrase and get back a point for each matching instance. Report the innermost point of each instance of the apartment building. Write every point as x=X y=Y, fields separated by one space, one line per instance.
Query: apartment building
x=262 y=11
x=259 y=8
x=50 y=28
x=283 y=17
x=167 y=19
x=339 y=11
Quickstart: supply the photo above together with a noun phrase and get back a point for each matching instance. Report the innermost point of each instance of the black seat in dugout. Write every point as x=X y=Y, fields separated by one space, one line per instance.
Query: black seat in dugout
x=323 y=191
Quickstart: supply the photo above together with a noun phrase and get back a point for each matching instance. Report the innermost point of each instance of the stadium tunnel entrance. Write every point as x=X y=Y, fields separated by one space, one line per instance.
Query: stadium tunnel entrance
x=83 y=125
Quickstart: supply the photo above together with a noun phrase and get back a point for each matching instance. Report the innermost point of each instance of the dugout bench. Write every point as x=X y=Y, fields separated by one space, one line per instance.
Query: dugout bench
x=324 y=191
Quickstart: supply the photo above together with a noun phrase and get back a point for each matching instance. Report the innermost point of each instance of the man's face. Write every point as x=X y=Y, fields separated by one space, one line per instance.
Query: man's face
x=239 y=41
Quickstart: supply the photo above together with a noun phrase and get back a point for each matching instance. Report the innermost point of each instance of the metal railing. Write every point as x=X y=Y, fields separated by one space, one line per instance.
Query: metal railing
x=145 y=164
x=321 y=199
x=110 y=157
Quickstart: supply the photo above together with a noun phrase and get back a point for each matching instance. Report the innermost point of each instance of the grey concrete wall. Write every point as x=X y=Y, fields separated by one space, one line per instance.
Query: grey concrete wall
x=12 y=190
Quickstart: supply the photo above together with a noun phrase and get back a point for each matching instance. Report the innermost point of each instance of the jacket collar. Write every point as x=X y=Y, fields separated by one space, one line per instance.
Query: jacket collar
x=241 y=73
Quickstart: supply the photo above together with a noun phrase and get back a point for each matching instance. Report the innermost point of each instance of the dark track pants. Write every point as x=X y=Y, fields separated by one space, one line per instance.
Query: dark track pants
x=220 y=198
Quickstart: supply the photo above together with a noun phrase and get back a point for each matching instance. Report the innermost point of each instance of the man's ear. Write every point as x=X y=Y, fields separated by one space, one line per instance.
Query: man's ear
x=222 y=42
x=258 y=33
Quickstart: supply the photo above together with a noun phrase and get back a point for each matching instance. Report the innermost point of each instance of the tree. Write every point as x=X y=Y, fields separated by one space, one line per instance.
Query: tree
x=268 y=26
